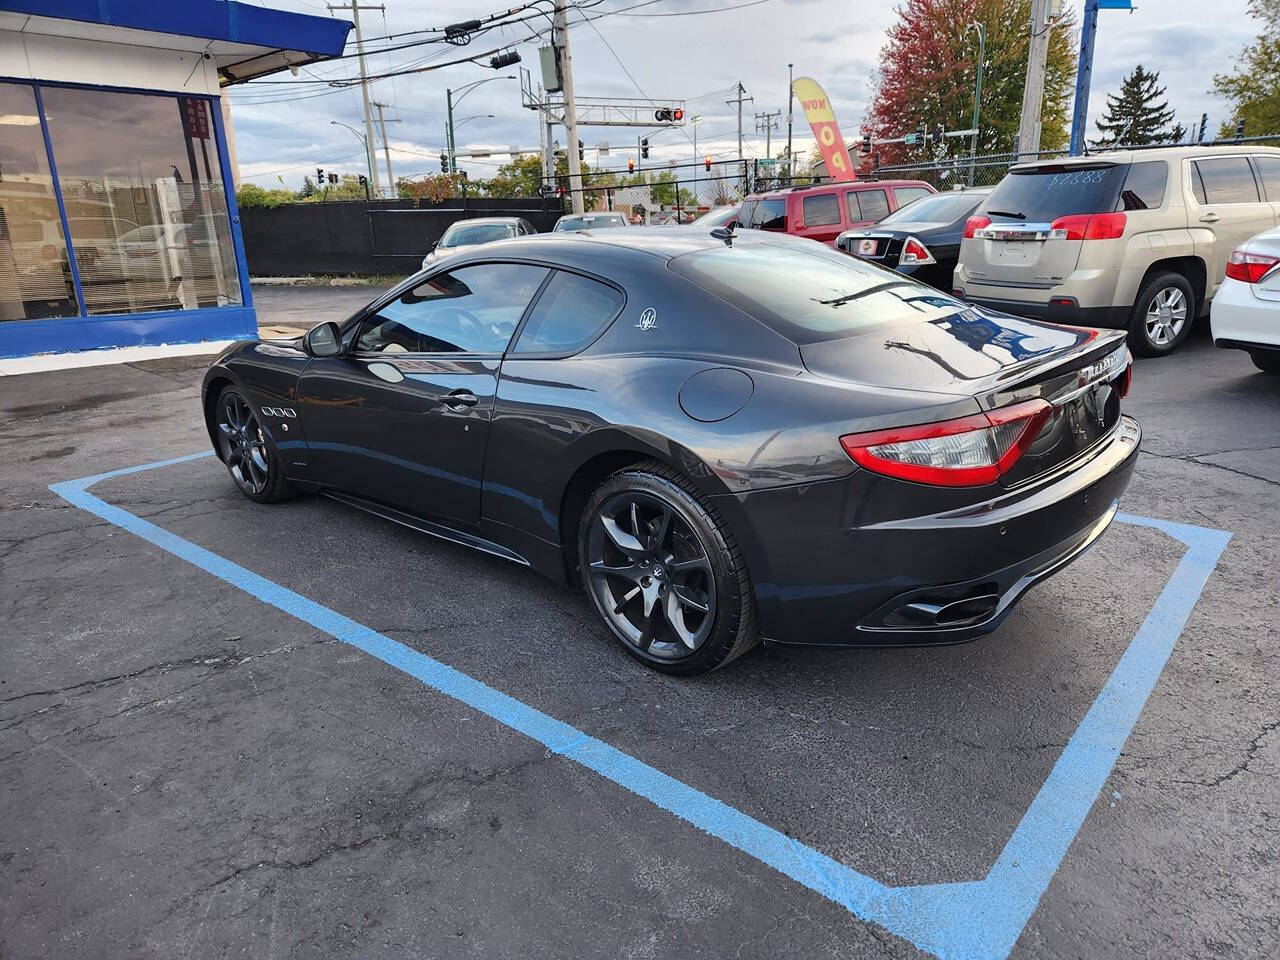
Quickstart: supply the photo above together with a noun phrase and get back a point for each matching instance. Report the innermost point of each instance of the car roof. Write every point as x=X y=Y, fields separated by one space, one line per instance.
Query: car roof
x=1196 y=151
x=662 y=242
x=835 y=185
x=506 y=221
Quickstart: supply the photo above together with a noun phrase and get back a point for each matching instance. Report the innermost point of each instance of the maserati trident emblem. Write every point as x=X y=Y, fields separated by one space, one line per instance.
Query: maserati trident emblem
x=648 y=319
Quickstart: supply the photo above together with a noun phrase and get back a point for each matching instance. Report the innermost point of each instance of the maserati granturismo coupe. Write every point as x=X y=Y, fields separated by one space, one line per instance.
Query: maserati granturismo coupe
x=722 y=437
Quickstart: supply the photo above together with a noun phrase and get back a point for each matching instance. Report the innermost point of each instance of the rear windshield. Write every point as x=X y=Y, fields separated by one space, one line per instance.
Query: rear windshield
x=465 y=234
x=1043 y=194
x=588 y=223
x=935 y=208
x=810 y=295
x=764 y=214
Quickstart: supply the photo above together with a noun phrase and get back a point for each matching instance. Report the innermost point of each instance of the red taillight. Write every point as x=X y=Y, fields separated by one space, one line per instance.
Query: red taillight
x=1249 y=267
x=1123 y=382
x=967 y=452
x=1088 y=226
x=913 y=251
x=974 y=223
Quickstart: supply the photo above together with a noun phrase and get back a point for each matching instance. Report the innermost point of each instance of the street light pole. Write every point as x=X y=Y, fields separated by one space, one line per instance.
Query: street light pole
x=450 y=144
x=560 y=40
x=977 y=94
x=368 y=154
x=790 y=101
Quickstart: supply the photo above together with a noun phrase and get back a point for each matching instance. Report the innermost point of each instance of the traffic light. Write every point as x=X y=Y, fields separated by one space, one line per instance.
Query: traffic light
x=320 y=170
x=364 y=181
x=1240 y=128
x=631 y=165
x=706 y=161
x=938 y=131
x=668 y=115
x=921 y=134
x=581 y=152
x=644 y=149
x=333 y=178
x=444 y=163
x=866 y=143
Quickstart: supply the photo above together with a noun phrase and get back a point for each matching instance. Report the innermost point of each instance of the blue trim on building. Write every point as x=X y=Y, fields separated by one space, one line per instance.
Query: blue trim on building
x=57 y=197
x=208 y=19
x=23 y=338
x=233 y=210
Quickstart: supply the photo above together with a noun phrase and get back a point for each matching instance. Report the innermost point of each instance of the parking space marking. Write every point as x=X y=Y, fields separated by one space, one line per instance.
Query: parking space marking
x=980 y=919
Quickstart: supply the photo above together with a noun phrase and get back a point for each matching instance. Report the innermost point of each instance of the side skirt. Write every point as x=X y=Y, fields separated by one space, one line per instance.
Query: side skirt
x=427 y=526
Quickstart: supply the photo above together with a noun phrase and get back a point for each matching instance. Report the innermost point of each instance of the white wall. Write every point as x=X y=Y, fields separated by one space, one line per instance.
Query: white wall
x=36 y=56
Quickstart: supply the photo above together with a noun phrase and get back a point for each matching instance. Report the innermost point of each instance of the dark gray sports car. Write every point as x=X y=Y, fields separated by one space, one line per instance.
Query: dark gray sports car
x=721 y=437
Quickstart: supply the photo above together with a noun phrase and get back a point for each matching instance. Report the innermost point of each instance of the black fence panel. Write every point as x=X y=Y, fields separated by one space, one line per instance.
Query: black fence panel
x=383 y=237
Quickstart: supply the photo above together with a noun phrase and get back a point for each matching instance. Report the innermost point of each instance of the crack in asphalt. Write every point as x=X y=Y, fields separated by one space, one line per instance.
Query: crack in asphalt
x=1206 y=463
x=1250 y=752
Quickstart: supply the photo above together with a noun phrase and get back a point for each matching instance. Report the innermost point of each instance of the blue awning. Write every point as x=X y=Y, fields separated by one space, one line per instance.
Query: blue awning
x=248 y=41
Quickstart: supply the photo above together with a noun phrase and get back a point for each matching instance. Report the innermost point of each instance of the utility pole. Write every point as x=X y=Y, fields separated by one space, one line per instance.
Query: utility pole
x=766 y=124
x=790 y=101
x=386 y=150
x=560 y=38
x=740 y=100
x=1033 y=90
x=448 y=132
x=370 y=147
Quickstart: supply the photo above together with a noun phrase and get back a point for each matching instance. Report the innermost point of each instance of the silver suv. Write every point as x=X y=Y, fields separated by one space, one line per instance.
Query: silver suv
x=1136 y=240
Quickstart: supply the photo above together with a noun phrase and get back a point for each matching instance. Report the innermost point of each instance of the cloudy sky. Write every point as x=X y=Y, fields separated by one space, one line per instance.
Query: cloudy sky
x=284 y=129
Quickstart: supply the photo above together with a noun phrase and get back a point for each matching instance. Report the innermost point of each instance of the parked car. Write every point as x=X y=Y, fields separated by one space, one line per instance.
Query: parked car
x=717 y=439
x=921 y=240
x=718 y=217
x=463 y=234
x=589 y=221
x=1246 y=308
x=1134 y=240
x=822 y=212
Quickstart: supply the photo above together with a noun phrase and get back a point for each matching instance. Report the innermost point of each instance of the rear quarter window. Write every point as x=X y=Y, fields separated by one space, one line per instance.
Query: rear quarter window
x=1144 y=186
x=905 y=195
x=568 y=315
x=769 y=214
x=1269 y=170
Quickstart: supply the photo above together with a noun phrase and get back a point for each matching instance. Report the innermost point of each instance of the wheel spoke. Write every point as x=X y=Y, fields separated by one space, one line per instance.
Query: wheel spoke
x=690 y=599
x=675 y=617
x=630 y=571
x=691 y=563
x=664 y=526
x=648 y=632
x=626 y=598
x=227 y=430
x=624 y=541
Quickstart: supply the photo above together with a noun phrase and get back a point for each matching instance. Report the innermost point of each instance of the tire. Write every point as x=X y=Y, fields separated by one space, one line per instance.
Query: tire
x=247 y=450
x=684 y=569
x=1162 y=315
x=1268 y=361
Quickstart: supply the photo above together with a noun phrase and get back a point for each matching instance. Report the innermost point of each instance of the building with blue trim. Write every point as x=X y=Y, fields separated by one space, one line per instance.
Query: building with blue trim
x=118 y=219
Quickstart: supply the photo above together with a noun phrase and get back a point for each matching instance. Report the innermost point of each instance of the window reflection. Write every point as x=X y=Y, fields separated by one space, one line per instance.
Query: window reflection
x=145 y=203
x=35 y=271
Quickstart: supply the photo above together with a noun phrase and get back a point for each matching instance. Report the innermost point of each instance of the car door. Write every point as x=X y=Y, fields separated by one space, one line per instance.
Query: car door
x=1225 y=209
x=402 y=416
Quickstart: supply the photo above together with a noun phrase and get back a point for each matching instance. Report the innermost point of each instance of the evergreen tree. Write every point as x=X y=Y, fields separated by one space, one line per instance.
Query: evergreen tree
x=1138 y=115
x=308 y=188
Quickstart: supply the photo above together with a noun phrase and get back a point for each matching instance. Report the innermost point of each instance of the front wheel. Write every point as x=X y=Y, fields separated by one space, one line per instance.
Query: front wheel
x=665 y=573
x=1162 y=315
x=1268 y=361
x=247 y=451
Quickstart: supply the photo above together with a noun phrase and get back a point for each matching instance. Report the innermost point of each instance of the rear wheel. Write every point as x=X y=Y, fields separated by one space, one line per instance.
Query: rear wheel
x=247 y=451
x=664 y=572
x=1162 y=315
x=1268 y=361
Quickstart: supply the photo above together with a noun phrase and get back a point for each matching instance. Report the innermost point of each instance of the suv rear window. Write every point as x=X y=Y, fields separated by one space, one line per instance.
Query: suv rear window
x=764 y=214
x=1042 y=194
x=810 y=295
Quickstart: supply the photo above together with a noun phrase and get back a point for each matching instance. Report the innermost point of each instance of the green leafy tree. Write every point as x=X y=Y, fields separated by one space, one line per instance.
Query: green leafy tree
x=1253 y=87
x=928 y=66
x=252 y=195
x=1139 y=115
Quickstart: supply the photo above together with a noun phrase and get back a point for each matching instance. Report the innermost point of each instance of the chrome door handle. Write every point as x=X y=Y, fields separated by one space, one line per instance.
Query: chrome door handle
x=458 y=399
x=1209 y=218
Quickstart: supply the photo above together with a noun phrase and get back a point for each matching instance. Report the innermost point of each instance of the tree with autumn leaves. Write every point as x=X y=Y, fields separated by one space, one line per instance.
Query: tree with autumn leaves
x=928 y=67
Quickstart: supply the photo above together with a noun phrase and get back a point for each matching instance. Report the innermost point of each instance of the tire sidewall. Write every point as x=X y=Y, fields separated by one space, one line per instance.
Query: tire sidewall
x=1139 y=342
x=718 y=645
x=277 y=487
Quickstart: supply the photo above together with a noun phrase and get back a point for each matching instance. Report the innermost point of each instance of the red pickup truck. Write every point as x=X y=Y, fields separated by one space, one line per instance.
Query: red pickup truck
x=822 y=212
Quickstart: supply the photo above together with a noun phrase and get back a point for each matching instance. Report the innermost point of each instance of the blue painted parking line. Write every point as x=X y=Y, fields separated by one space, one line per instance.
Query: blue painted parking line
x=980 y=919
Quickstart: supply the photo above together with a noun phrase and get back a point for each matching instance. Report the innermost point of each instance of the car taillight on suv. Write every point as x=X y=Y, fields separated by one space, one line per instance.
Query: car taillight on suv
x=1088 y=226
x=1250 y=267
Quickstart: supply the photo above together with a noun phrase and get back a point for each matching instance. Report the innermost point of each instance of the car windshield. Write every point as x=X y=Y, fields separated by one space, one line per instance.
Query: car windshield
x=1042 y=194
x=811 y=295
x=467 y=234
x=938 y=208
x=584 y=223
x=716 y=218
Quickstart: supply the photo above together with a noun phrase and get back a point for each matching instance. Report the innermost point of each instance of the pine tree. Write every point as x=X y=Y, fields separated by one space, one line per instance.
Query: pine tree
x=308 y=188
x=1138 y=116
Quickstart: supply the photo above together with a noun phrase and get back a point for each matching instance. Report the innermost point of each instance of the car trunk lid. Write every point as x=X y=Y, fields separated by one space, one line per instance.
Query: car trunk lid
x=997 y=360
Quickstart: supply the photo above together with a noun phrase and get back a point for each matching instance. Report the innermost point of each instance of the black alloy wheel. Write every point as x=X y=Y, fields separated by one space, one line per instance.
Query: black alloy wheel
x=663 y=575
x=246 y=450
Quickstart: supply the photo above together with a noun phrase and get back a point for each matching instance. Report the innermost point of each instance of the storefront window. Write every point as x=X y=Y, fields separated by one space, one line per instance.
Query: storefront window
x=35 y=272
x=145 y=202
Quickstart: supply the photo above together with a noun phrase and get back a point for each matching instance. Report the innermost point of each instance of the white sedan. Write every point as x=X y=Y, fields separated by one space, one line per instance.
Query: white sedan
x=1246 y=308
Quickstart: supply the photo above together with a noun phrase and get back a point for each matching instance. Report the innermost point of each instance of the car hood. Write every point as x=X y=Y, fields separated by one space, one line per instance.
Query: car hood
x=965 y=352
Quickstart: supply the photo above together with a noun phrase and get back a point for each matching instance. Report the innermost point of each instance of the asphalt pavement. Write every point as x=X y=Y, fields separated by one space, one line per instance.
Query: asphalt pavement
x=188 y=770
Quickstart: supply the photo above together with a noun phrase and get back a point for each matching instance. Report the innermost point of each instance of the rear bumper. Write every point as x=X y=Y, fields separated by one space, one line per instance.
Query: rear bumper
x=837 y=579
x=1242 y=320
x=1070 y=312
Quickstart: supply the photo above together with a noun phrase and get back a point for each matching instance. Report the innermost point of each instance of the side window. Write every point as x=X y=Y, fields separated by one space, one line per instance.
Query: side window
x=1144 y=186
x=905 y=195
x=568 y=315
x=874 y=204
x=821 y=210
x=1227 y=180
x=1269 y=170
x=468 y=310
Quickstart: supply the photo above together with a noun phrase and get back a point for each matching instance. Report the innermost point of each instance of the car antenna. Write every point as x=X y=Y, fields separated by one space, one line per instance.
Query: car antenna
x=725 y=234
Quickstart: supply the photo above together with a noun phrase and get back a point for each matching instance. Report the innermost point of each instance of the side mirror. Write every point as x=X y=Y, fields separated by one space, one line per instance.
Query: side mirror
x=323 y=340
x=434 y=244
